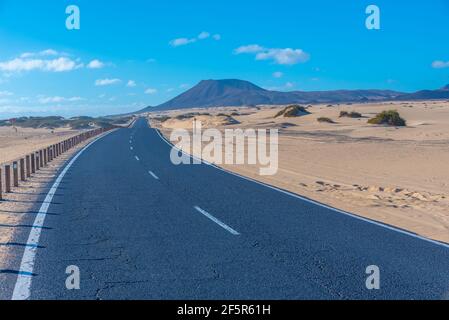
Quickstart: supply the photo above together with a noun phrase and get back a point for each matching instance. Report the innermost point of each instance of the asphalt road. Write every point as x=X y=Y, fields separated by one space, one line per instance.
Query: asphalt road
x=139 y=227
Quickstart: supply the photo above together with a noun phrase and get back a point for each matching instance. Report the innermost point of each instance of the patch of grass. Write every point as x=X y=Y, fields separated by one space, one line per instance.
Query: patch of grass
x=325 y=120
x=390 y=118
x=292 y=111
x=76 y=123
x=190 y=115
x=161 y=118
x=346 y=114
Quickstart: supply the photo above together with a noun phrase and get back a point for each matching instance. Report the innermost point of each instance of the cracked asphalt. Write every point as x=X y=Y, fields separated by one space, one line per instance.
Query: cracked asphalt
x=137 y=237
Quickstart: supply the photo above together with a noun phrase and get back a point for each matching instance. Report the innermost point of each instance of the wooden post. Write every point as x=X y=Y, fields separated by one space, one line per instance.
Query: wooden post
x=37 y=162
x=41 y=159
x=15 y=174
x=7 y=178
x=45 y=157
x=33 y=164
x=28 y=166
x=22 y=169
x=1 y=188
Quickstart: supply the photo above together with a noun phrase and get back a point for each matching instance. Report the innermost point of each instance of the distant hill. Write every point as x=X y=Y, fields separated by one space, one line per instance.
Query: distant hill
x=76 y=123
x=442 y=93
x=233 y=92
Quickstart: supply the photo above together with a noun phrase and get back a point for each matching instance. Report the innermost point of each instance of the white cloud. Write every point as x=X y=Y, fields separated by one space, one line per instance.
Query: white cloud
x=287 y=56
x=170 y=90
x=278 y=74
x=95 y=64
x=106 y=82
x=203 y=35
x=61 y=64
x=45 y=100
x=6 y=94
x=151 y=60
x=440 y=64
x=58 y=99
x=252 y=48
x=181 y=42
x=74 y=99
x=48 y=61
x=289 y=85
x=151 y=91
x=184 y=86
x=48 y=52
x=131 y=84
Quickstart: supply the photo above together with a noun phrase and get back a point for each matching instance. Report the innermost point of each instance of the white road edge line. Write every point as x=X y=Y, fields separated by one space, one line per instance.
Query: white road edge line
x=153 y=175
x=379 y=224
x=22 y=289
x=221 y=224
x=137 y=158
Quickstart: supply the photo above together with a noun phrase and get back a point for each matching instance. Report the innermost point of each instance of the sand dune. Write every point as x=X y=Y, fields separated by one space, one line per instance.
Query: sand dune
x=399 y=176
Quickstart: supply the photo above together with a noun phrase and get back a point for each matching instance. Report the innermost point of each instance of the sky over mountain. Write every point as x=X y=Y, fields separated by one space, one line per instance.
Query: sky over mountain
x=128 y=55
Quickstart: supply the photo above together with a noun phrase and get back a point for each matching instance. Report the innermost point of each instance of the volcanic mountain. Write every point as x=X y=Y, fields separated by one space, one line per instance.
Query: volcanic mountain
x=234 y=92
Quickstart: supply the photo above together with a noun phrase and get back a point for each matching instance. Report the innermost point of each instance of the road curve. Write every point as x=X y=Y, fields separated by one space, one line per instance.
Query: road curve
x=139 y=227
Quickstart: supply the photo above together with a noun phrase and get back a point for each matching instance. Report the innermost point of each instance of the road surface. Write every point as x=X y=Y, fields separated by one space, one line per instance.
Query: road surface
x=139 y=227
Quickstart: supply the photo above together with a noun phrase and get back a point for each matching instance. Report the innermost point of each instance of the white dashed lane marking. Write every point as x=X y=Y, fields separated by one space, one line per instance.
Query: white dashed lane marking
x=221 y=224
x=153 y=175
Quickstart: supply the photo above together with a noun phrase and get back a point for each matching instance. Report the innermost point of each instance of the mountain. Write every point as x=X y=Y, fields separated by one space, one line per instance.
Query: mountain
x=233 y=92
x=442 y=93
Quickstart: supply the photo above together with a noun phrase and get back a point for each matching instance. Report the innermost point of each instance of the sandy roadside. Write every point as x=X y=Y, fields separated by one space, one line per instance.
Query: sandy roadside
x=398 y=176
x=19 y=208
x=15 y=144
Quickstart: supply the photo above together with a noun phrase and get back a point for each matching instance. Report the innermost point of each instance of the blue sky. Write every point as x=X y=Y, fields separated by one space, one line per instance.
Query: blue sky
x=134 y=53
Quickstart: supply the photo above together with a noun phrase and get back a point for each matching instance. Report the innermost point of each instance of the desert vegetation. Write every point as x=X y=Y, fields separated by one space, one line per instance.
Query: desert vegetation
x=346 y=114
x=390 y=118
x=292 y=111
x=325 y=120
x=76 y=123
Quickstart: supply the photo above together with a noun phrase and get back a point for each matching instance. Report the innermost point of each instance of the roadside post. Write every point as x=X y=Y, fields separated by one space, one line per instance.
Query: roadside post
x=15 y=174
x=7 y=178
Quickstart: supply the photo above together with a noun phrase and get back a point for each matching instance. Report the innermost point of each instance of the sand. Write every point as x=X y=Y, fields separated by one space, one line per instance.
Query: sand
x=399 y=176
x=17 y=144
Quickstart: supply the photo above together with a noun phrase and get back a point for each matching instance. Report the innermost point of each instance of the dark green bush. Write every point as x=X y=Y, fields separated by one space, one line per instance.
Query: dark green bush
x=292 y=111
x=390 y=118
x=325 y=120
x=162 y=118
x=346 y=114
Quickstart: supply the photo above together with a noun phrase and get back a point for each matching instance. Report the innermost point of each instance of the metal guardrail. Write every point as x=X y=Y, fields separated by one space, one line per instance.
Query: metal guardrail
x=23 y=168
